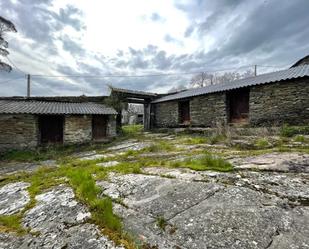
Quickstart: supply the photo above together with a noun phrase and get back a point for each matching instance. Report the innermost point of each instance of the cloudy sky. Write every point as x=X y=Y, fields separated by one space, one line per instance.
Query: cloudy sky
x=95 y=38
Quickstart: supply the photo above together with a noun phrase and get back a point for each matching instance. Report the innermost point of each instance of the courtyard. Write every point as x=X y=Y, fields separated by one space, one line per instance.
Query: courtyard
x=160 y=190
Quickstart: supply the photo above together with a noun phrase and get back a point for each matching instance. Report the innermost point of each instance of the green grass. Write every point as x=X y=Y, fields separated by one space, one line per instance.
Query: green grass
x=206 y=162
x=161 y=222
x=262 y=143
x=214 y=139
x=132 y=130
x=299 y=138
x=160 y=146
x=11 y=223
x=290 y=131
x=196 y=140
x=87 y=191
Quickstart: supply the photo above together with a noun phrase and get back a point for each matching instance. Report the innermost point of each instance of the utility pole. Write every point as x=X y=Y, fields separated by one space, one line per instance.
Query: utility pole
x=28 y=85
x=255 y=70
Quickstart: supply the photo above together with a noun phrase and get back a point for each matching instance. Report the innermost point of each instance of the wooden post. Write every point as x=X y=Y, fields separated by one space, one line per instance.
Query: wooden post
x=255 y=70
x=28 y=85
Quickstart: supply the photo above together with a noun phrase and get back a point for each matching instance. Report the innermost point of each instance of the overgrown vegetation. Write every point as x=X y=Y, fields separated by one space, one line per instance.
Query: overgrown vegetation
x=132 y=130
x=11 y=223
x=161 y=222
x=262 y=143
x=205 y=162
x=290 y=131
x=82 y=175
x=299 y=138
x=160 y=146
x=87 y=191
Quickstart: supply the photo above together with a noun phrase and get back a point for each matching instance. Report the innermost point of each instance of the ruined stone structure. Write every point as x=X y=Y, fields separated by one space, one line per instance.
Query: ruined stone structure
x=28 y=124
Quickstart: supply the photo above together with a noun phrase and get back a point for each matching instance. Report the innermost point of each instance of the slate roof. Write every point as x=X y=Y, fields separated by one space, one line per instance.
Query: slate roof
x=51 y=107
x=291 y=73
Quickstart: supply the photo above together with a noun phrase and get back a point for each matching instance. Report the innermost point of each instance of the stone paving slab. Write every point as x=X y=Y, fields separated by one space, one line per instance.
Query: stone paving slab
x=59 y=221
x=285 y=162
x=13 y=197
x=251 y=210
x=15 y=167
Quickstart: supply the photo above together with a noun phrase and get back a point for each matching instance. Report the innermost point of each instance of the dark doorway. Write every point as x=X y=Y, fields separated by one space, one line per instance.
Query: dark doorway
x=99 y=125
x=51 y=128
x=184 y=112
x=239 y=105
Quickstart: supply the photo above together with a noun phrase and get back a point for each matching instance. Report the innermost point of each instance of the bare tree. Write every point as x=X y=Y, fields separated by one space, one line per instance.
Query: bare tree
x=205 y=79
x=5 y=26
x=201 y=79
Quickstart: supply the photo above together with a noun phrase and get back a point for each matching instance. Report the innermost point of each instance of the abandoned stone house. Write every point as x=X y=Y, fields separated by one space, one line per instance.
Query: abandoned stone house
x=27 y=123
x=268 y=99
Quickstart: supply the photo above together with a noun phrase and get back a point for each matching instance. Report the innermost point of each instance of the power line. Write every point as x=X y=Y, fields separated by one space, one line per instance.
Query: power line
x=12 y=80
x=134 y=76
x=15 y=65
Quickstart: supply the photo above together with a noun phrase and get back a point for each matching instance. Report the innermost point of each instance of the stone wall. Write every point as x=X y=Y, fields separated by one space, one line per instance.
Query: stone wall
x=111 y=126
x=166 y=114
x=205 y=110
x=18 y=131
x=278 y=103
x=208 y=110
x=77 y=129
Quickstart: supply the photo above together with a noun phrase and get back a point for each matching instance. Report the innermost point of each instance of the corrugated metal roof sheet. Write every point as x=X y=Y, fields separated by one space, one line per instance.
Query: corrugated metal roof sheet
x=47 y=107
x=291 y=73
x=122 y=90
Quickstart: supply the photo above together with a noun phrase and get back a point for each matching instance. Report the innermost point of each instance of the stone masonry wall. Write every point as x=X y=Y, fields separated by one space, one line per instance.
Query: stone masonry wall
x=278 y=103
x=166 y=114
x=205 y=110
x=18 y=131
x=77 y=129
x=208 y=110
x=111 y=126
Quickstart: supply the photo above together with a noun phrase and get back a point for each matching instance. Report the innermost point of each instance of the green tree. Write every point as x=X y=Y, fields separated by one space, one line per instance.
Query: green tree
x=5 y=26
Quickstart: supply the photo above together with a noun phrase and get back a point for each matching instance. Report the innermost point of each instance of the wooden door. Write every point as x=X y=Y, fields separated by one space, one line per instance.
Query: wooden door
x=51 y=128
x=239 y=106
x=99 y=127
x=184 y=112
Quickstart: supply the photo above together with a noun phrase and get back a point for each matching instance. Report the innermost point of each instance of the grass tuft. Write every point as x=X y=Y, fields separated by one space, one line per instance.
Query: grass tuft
x=87 y=191
x=11 y=223
x=299 y=138
x=161 y=222
x=206 y=162
x=262 y=143
x=290 y=131
x=132 y=130
x=160 y=146
x=196 y=140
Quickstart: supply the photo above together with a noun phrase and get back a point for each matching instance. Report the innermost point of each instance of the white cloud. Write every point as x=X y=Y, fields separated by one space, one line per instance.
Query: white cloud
x=145 y=37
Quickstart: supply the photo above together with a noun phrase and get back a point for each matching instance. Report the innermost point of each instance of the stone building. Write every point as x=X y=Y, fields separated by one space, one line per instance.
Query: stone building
x=28 y=123
x=268 y=99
